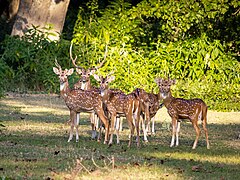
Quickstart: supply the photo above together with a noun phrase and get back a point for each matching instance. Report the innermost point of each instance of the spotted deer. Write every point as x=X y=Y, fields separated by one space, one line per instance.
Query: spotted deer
x=119 y=104
x=179 y=108
x=150 y=104
x=78 y=100
x=84 y=83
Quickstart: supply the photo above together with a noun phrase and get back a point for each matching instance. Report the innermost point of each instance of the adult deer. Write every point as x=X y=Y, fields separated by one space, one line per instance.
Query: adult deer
x=178 y=109
x=78 y=100
x=150 y=104
x=84 y=83
x=119 y=104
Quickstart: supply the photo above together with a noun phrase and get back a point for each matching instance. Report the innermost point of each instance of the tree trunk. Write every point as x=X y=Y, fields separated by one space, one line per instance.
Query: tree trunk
x=42 y=13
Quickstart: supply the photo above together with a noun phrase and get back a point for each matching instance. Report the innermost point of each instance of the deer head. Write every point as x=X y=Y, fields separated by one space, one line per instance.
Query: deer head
x=104 y=82
x=85 y=73
x=165 y=86
x=63 y=75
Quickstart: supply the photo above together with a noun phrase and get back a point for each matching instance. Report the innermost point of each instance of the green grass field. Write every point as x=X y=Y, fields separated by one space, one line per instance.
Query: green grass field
x=34 y=134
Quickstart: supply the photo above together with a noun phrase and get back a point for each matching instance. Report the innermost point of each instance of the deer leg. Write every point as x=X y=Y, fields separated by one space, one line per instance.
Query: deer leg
x=99 y=127
x=174 y=123
x=76 y=125
x=137 y=117
x=148 y=128
x=117 y=123
x=204 y=124
x=113 y=119
x=131 y=127
x=72 y=118
x=117 y=127
x=121 y=124
x=153 y=125
x=197 y=129
x=93 y=124
x=105 y=121
x=147 y=116
x=144 y=129
x=177 y=132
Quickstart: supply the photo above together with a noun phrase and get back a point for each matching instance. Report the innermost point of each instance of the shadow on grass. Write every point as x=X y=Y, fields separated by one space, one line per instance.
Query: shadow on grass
x=37 y=153
x=53 y=153
x=14 y=114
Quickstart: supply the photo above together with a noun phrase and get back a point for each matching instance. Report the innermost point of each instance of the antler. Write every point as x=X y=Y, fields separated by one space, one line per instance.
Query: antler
x=112 y=72
x=56 y=63
x=105 y=56
x=73 y=60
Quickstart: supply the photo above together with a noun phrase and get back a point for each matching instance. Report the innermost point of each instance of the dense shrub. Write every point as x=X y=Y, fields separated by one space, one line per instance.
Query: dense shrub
x=143 y=41
x=26 y=64
x=166 y=39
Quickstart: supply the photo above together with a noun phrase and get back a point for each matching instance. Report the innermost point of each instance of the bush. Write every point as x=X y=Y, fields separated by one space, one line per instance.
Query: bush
x=175 y=40
x=26 y=64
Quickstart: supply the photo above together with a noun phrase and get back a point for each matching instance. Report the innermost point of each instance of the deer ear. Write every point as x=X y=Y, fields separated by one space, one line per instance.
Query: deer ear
x=79 y=71
x=111 y=78
x=173 y=81
x=158 y=80
x=70 y=71
x=56 y=71
x=97 y=77
x=92 y=71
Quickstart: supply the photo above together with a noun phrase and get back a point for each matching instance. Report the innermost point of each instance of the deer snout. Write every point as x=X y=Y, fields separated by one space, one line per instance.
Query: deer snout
x=164 y=95
x=84 y=80
x=102 y=91
x=62 y=80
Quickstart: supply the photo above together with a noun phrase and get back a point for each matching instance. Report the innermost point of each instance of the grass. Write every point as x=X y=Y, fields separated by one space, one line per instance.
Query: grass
x=33 y=145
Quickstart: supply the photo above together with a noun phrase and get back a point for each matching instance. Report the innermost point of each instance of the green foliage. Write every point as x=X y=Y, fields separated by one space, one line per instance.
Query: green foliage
x=26 y=64
x=167 y=39
x=196 y=43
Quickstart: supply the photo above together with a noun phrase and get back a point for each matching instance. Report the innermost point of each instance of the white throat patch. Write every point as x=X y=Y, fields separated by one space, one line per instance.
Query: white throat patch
x=83 y=86
x=62 y=86
x=102 y=93
x=163 y=95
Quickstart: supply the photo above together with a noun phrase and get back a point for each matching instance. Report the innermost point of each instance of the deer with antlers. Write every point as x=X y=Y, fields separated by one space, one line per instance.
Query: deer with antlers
x=84 y=83
x=179 y=108
x=78 y=100
x=119 y=104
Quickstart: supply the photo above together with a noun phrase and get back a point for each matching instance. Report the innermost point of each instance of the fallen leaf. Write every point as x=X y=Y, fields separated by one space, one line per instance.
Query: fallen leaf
x=196 y=168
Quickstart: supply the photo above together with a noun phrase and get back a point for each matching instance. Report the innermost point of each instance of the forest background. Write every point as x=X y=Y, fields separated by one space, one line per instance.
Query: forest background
x=195 y=42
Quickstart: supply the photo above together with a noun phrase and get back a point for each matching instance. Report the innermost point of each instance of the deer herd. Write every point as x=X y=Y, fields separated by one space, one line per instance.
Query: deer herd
x=106 y=106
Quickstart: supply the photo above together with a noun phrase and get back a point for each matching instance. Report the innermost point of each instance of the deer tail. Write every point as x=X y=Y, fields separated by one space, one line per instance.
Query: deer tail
x=204 y=112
